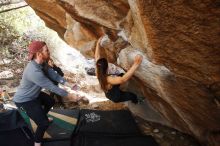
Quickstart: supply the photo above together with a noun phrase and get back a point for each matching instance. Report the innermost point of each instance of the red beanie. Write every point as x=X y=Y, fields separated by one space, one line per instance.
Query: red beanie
x=34 y=47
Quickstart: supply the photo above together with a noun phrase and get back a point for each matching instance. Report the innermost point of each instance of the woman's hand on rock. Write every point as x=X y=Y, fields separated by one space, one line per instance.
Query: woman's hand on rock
x=138 y=59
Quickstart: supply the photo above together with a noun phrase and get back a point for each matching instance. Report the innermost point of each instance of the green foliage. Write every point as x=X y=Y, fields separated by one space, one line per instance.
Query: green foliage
x=16 y=31
x=19 y=27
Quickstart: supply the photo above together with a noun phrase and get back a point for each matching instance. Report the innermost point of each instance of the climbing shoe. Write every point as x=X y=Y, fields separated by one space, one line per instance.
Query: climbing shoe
x=134 y=101
x=140 y=100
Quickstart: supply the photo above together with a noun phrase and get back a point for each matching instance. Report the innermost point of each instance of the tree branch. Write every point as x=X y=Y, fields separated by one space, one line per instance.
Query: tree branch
x=13 y=8
x=8 y=2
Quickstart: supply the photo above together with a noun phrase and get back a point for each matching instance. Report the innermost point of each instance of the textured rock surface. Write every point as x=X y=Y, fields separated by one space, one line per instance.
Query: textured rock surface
x=180 y=41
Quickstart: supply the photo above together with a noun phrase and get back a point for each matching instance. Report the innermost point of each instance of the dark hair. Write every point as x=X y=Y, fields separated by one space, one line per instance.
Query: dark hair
x=102 y=67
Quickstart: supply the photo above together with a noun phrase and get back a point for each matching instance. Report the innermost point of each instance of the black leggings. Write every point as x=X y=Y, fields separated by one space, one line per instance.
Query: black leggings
x=117 y=95
x=37 y=110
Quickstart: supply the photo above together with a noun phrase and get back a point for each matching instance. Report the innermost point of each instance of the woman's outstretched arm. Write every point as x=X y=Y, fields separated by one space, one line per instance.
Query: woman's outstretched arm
x=97 y=49
x=128 y=74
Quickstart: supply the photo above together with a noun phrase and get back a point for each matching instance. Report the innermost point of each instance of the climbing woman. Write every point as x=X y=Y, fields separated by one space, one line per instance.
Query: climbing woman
x=111 y=84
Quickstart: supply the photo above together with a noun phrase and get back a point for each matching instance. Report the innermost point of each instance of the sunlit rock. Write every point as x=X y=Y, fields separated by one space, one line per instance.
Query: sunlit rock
x=179 y=41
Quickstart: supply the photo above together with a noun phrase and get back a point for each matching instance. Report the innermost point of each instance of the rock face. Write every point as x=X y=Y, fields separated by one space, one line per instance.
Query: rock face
x=180 y=41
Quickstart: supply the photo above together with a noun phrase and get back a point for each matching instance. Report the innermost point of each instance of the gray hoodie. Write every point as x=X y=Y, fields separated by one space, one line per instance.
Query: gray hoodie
x=33 y=80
